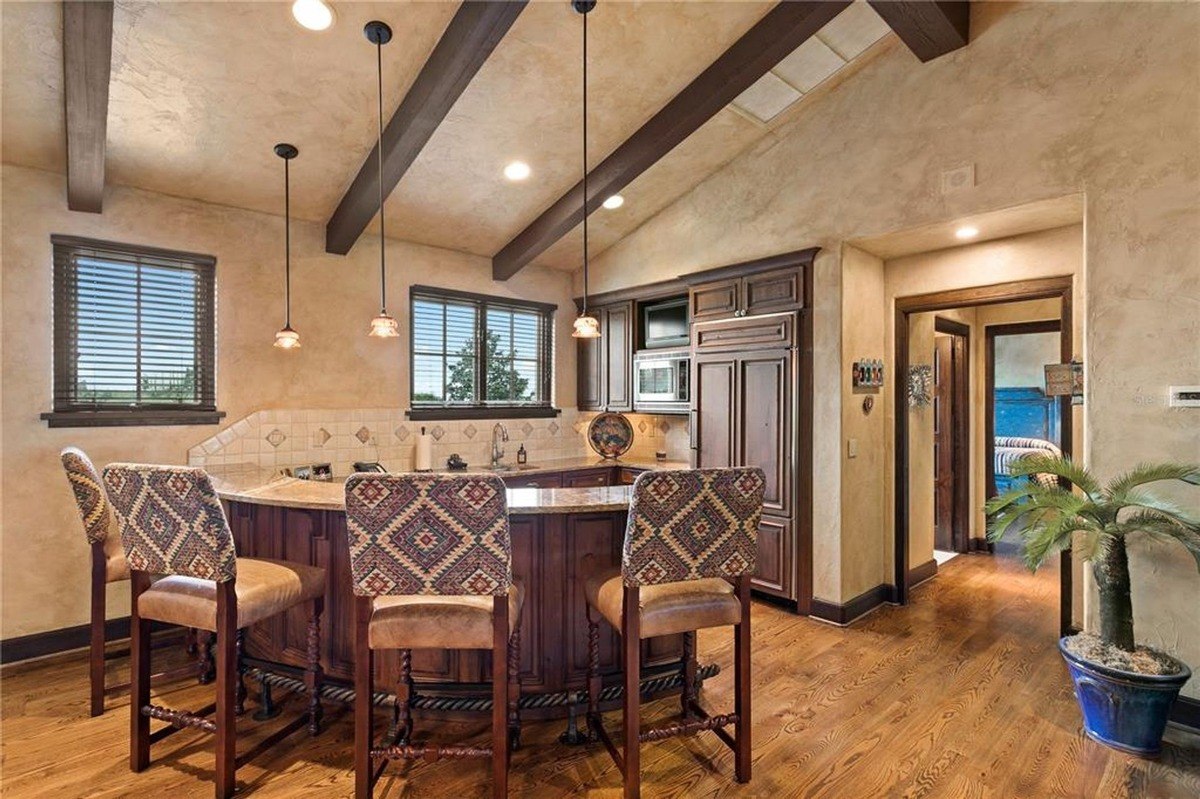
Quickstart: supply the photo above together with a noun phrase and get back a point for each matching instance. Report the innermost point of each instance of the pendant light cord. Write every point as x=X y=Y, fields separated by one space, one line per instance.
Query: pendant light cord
x=585 y=167
x=379 y=160
x=287 y=243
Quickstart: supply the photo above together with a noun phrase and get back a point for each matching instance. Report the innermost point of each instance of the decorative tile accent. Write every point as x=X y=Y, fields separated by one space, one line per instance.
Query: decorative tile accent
x=553 y=428
x=363 y=435
x=642 y=426
x=437 y=432
x=664 y=425
x=469 y=431
x=526 y=428
x=276 y=437
x=320 y=437
x=402 y=433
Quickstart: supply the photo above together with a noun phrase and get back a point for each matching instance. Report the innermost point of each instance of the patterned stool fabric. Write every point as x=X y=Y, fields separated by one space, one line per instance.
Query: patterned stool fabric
x=428 y=534
x=692 y=524
x=99 y=523
x=171 y=521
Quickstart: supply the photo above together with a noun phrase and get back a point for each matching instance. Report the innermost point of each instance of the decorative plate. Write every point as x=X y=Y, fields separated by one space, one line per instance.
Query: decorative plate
x=610 y=435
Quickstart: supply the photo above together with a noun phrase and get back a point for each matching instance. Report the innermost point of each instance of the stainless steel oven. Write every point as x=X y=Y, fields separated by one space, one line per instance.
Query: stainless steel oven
x=660 y=382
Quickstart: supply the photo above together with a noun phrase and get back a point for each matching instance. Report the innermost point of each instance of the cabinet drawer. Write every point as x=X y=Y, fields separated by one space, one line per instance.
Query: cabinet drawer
x=626 y=476
x=755 y=332
x=545 y=480
x=770 y=292
x=772 y=574
x=715 y=300
x=587 y=478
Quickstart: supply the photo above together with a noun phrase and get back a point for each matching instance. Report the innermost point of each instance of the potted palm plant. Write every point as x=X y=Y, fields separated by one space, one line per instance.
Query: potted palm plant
x=1125 y=690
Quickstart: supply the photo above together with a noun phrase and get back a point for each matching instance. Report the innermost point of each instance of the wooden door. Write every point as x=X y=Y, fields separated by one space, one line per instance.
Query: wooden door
x=716 y=300
x=618 y=357
x=769 y=292
x=951 y=460
x=590 y=381
x=714 y=410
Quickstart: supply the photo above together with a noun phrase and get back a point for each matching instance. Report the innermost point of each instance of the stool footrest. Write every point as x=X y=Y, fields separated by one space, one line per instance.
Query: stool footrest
x=181 y=719
x=687 y=727
x=429 y=752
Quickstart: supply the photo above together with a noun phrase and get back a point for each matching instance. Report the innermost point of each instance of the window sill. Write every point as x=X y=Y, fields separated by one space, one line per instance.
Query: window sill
x=144 y=418
x=438 y=414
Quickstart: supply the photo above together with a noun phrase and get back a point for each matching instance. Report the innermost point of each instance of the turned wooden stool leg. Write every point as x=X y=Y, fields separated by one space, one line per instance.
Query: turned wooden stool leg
x=191 y=643
x=139 y=679
x=364 y=688
x=313 y=674
x=404 y=696
x=593 y=673
x=514 y=689
x=226 y=718
x=204 y=657
x=687 y=694
x=239 y=705
x=631 y=646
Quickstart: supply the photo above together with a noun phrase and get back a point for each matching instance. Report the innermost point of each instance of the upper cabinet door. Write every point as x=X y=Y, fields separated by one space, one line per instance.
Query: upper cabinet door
x=768 y=292
x=764 y=426
x=715 y=300
x=714 y=414
x=618 y=356
x=590 y=371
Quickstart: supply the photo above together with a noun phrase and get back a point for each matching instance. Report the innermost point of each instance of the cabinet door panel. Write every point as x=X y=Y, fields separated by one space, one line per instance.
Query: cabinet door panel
x=542 y=480
x=714 y=396
x=738 y=335
x=765 y=423
x=587 y=478
x=715 y=300
x=773 y=572
x=590 y=384
x=781 y=290
x=618 y=356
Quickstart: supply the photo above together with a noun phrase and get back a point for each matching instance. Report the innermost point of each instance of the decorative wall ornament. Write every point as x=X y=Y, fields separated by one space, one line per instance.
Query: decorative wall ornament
x=1065 y=379
x=920 y=385
x=867 y=373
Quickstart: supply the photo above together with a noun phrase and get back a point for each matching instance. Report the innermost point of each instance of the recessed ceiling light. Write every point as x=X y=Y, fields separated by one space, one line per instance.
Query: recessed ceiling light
x=517 y=170
x=315 y=15
x=966 y=232
x=615 y=201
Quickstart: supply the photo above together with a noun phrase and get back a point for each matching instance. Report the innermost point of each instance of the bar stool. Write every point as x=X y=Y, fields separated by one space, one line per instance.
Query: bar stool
x=172 y=524
x=690 y=546
x=108 y=566
x=431 y=562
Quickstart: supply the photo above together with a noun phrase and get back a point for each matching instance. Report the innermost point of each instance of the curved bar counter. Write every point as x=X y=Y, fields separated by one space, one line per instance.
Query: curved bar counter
x=559 y=537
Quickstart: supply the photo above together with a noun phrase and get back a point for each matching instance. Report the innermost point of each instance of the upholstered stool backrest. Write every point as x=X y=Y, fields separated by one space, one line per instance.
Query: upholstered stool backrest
x=691 y=524
x=90 y=498
x=171 y=521
x=428 y=534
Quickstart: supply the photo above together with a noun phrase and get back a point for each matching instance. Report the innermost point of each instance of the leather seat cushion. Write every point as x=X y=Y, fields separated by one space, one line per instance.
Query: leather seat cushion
x=426 y=621
x=667 y=608
x=264 y=588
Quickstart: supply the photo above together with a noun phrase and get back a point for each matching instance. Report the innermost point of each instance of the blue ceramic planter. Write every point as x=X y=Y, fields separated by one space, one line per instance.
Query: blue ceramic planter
x=1123 y=710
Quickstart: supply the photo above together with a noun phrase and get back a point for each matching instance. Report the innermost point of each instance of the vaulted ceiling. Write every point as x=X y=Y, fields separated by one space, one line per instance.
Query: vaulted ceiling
x=200 y=92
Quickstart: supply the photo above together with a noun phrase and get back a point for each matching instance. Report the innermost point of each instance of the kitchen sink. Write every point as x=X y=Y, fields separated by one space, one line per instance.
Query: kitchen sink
x=511 y=467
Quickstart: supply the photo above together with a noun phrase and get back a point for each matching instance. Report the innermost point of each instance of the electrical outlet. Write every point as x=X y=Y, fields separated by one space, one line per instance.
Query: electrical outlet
x=852 y=448
x=960 y=178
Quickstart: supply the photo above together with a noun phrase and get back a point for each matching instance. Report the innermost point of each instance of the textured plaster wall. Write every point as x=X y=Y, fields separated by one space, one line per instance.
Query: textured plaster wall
x=1019 y=359
x=45 y=564
x=1047 y=100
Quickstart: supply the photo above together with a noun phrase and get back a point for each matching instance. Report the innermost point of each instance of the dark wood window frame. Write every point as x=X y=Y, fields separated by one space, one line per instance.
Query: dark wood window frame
x=485 y=410
x=72 y=410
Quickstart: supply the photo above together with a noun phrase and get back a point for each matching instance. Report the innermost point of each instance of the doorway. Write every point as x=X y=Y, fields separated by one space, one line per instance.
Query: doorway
x=922 y=307
x=951 y=431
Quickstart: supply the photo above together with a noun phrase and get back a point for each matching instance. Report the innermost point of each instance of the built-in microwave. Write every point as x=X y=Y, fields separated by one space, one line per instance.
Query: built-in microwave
x=660 y=382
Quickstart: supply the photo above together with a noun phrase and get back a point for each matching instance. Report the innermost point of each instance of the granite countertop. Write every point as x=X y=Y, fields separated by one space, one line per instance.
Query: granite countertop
x=263 y=487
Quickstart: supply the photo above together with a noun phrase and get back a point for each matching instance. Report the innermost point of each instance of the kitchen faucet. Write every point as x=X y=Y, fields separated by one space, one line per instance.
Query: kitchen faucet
x=499 y=434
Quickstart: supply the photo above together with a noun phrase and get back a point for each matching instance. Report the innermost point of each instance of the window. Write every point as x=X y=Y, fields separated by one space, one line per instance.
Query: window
x=474 y=355
x=134 y=338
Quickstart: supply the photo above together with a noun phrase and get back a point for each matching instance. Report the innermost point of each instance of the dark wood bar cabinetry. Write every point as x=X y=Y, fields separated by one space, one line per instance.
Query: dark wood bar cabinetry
x=606 y=364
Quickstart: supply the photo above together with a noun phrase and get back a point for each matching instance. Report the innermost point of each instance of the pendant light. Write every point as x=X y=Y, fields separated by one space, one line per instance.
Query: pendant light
x=382 y=326
x=286 y=338
x=586 y=325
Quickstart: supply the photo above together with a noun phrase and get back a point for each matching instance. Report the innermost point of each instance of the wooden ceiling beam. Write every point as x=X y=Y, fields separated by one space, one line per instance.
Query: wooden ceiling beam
x=472 y=35
x=782 y=30
x=87 y=67
x=930 y=29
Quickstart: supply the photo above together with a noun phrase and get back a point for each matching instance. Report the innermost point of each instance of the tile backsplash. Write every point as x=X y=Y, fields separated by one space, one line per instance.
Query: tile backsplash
x=286 y=439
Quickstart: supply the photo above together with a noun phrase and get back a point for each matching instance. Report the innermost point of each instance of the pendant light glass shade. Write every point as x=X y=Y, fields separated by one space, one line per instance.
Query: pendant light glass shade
x=382 y=326
x=586 y=325
x=287 y=338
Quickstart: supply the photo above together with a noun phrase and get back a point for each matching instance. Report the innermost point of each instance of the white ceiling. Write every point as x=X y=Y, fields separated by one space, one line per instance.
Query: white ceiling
x=202 y=91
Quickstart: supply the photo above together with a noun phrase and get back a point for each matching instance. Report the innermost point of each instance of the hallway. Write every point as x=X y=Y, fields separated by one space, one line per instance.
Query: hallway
x=961 y=694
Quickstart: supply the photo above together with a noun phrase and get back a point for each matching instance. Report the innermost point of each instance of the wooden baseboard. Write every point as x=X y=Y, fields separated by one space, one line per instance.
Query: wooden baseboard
x=845 y=613
x=980 y=545
x=921 y=573
x=53 y=642
x=1186 y=712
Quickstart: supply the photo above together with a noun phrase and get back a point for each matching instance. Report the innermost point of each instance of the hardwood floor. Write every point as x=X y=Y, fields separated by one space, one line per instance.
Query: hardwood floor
x=961 y=694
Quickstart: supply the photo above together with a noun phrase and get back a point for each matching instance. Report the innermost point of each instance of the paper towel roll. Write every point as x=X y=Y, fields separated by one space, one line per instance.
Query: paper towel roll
x=424 y=453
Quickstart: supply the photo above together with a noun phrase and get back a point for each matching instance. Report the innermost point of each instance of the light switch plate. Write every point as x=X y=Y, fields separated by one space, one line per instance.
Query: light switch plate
x=1184 y=397
x=852 y=448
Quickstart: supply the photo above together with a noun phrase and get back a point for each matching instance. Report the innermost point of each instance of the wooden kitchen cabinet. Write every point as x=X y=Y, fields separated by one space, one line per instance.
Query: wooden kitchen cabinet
x=769 y=285
x=605 y=365
x=587 y=478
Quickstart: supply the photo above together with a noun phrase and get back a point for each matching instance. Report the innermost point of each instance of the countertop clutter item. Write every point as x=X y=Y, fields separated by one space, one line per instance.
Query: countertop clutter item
x=610 y=435
x=455 y=463
x=423 y=457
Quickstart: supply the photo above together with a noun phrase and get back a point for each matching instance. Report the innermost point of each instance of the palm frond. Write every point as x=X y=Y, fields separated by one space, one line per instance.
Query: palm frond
x=1162 y=508
x=1145 y=473
x=1166 y=529
x=1041 y=540
x=1059 y=466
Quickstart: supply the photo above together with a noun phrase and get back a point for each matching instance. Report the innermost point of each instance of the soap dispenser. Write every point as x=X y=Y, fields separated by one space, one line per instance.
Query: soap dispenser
x=521 y=456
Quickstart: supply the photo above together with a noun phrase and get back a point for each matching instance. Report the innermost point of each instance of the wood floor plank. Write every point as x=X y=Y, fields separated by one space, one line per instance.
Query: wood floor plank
x=962 y=694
